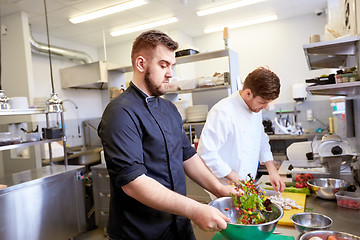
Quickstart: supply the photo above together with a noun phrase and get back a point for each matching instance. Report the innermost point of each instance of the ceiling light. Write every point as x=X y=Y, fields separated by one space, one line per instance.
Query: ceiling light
x=242 y=23
x=141 y=27
x=227 y=6
x=108 y=10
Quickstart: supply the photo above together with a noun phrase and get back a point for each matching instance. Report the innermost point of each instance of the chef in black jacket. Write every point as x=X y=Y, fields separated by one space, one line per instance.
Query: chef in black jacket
x=147 y=154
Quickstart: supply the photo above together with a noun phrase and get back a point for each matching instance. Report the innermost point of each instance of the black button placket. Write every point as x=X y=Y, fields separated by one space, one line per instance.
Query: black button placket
x=163 y=122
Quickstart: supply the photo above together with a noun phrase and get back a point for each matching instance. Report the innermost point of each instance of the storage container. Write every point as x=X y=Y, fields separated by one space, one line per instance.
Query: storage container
x=348 y=199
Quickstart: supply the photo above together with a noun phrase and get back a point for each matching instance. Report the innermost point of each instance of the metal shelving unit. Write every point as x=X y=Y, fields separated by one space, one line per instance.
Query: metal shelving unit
x=16 y=112
x=333 y=54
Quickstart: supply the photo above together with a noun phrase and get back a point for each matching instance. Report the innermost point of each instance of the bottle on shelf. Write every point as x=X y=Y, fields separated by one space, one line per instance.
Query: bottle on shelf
x=196 y=142
x=226 y=37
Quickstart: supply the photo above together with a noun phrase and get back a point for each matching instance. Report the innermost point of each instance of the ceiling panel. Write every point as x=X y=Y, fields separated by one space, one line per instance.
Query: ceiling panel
x=90 y=33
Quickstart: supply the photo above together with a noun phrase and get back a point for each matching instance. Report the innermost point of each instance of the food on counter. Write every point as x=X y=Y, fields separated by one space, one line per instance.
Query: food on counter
x=316 y=238
x=250 y=202
x=285 y=203
x=331 y=237
x=301 y=180
x=348 y=199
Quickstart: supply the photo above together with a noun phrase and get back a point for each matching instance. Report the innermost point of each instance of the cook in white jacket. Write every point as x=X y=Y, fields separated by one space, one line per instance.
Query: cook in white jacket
x=233 y=140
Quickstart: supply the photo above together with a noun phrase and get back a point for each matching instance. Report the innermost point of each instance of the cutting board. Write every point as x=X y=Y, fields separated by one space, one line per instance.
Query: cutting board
x=300 y=199
x=2 y=186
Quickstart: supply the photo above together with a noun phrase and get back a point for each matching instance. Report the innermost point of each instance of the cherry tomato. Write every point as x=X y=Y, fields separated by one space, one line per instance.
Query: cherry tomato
x=299 y=185
x=308 y=176
x=299 y=178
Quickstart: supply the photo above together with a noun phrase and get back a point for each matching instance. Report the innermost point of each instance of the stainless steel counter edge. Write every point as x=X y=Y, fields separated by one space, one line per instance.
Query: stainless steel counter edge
x=29 y=177
x=306 y=136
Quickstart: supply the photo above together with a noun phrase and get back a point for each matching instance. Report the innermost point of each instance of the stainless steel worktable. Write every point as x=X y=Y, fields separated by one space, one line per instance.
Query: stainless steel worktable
x=44 y=203
x=344 y=219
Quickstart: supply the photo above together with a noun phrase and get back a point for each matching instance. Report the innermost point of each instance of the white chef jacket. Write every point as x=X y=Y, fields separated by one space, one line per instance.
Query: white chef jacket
x=233 y=138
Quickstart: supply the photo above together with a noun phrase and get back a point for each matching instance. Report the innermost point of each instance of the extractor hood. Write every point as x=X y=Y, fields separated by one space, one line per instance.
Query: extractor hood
x=86 y=76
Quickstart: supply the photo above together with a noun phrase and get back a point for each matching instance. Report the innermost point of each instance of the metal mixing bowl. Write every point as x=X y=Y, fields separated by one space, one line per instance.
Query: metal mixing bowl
x=327 y=187
x=324 y=234
x=307 y=222
x=236 y=231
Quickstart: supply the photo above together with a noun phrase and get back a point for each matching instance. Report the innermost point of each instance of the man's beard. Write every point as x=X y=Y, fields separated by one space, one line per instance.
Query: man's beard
x=155 y=90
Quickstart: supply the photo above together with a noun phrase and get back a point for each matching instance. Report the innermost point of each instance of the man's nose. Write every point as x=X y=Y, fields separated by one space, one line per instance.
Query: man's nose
x=169 y=73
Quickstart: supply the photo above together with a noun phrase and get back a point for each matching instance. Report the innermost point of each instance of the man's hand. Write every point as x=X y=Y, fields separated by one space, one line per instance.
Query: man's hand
x=208 y=218
x=277 y=182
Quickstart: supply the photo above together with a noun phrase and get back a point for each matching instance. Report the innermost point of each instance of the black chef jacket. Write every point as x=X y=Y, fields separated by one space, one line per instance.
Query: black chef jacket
x=144 y=135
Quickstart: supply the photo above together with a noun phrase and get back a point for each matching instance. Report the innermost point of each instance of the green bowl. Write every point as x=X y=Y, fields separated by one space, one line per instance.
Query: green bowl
x=236 y=231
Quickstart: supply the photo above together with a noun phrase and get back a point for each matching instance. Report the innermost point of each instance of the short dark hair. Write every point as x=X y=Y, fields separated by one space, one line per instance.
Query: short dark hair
x=146 y=42
x=264 y=83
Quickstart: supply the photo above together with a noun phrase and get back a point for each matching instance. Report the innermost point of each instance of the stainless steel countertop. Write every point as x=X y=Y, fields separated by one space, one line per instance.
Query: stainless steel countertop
x=344 y=219
x=306 y=136
x=29 y=177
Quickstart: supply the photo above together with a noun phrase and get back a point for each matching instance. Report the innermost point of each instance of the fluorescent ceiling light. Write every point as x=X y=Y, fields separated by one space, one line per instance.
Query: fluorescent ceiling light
x=242 y=23
x=108 y=10
x=227 y=6
x=141 y=27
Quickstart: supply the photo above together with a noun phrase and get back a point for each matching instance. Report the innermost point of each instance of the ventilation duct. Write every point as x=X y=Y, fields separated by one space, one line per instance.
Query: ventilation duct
x=58 y=51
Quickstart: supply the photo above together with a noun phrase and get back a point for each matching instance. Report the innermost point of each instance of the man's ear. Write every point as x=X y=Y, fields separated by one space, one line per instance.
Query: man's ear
x=140 y=63
x=248 y=93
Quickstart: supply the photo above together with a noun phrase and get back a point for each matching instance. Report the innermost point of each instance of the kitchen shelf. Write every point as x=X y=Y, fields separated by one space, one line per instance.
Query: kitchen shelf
x=27 y=144
x=331 y=54
x=30 y=111
x=194 y=123
x=203 y=89
x=204 y=56
x=338 y=89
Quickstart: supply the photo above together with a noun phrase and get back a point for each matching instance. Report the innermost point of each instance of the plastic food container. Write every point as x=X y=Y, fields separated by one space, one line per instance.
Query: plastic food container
x=33 y=137
x=348 y=199
x=7 y=138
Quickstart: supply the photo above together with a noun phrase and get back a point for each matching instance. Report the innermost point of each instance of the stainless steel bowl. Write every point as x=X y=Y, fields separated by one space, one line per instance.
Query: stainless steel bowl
x=324 y=234
x=236 y=231
x=307 y=222
x=327 y=187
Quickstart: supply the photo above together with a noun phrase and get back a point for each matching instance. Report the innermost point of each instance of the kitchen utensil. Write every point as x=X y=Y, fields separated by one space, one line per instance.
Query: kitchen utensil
x=326 y=188
x=246 y=231
x=323 y=234
x=307 y=222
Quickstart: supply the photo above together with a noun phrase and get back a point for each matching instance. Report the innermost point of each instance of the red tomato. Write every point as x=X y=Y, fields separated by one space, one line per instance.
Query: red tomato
x=299 y=178
x=308 y=176
x=299 y=185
